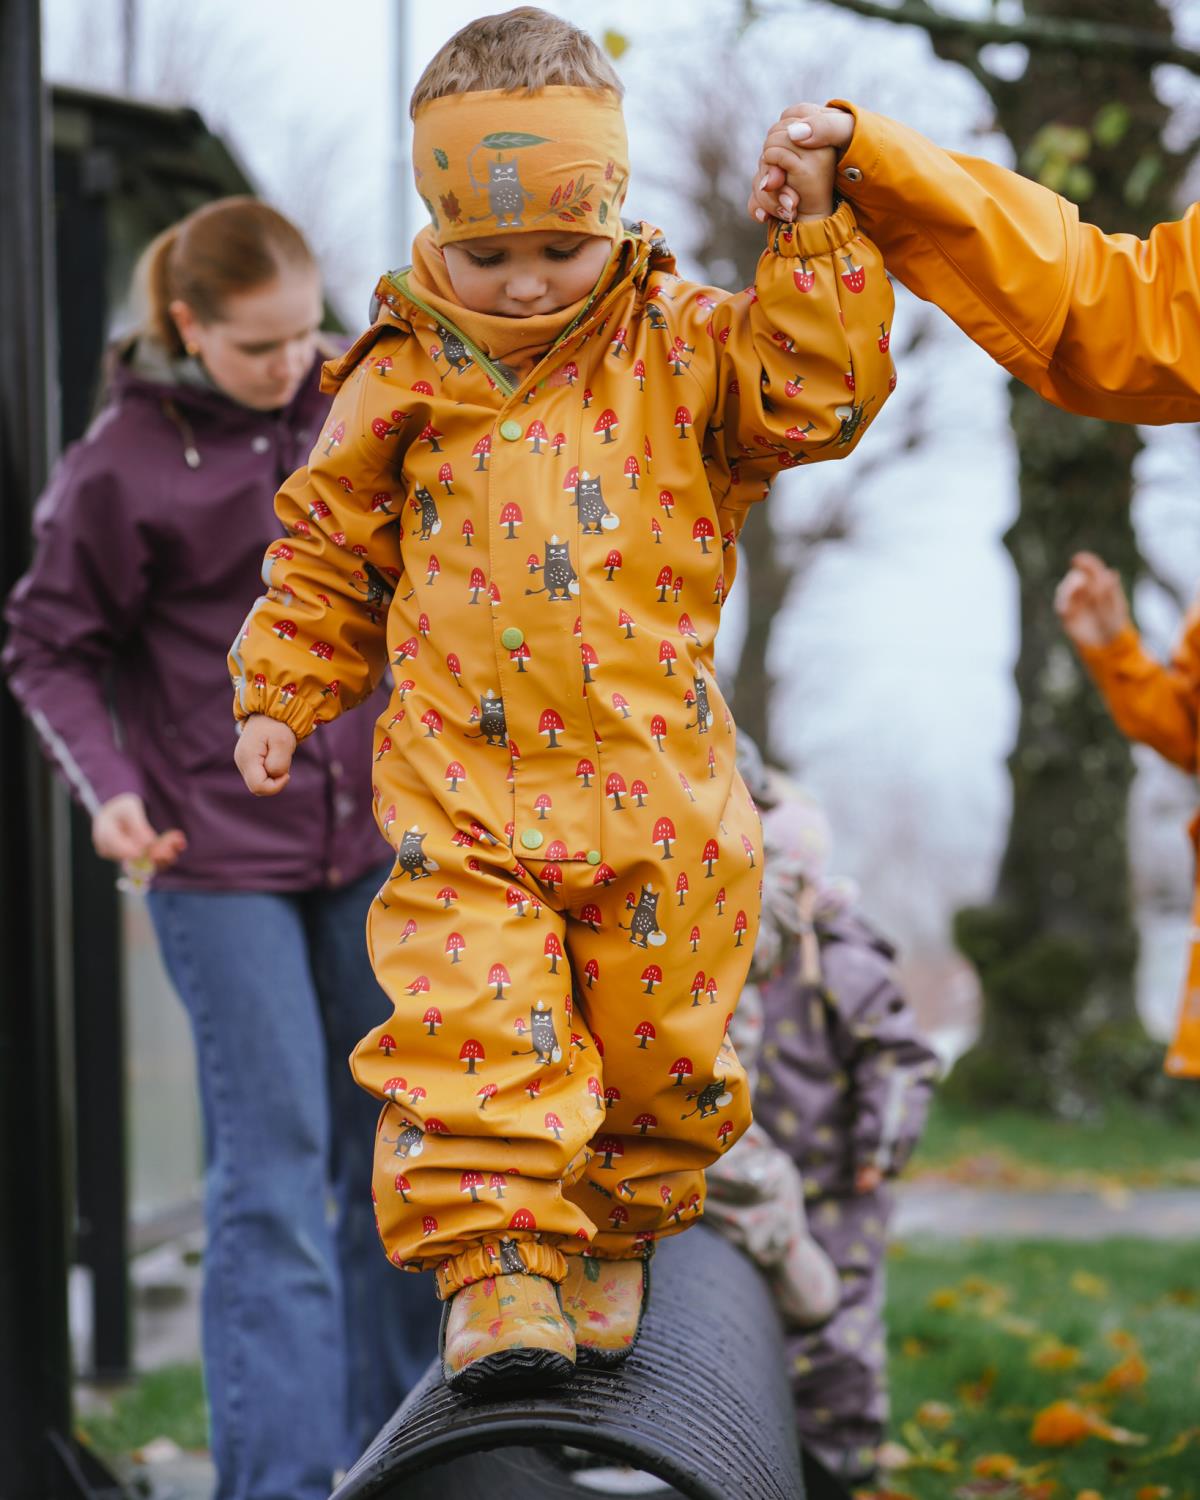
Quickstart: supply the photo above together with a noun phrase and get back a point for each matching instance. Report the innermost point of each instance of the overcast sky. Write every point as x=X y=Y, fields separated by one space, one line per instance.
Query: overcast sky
x=897 y=704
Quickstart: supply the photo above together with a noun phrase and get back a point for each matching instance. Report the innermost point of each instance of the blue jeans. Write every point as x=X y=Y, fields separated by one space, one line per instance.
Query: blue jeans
x=310 y=1337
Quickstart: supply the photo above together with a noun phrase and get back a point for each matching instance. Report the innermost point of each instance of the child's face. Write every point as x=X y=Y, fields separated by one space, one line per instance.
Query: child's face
x=527 y=274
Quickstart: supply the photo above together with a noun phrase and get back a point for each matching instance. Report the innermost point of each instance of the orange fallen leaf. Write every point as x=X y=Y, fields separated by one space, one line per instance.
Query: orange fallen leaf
x=935 y=1415
x=1154 y=1492
x=1064 y=1423
x=996 y=1466
x=945 y=1299
x=1052 y=1355
x=1089 y=1495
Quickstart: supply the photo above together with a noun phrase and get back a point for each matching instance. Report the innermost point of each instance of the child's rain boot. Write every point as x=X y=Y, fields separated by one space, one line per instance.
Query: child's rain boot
x=506 y=1332
x=604 y=1301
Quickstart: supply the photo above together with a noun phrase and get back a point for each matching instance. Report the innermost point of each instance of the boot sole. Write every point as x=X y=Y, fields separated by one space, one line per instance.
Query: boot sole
x=511 y=1369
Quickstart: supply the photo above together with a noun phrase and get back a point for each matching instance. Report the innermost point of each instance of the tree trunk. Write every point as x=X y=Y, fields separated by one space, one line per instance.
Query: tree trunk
x=1056 y=948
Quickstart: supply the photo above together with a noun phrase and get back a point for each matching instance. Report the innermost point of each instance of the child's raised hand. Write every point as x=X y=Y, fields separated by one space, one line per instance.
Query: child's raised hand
x=1090 y=601
x=264 y=755
x=794 y=181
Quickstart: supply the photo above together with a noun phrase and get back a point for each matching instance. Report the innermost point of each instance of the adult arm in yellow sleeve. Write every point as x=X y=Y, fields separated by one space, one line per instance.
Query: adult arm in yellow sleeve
x=1105 y=325
x=315 y=644
x=1156 y=704
x=801 y=363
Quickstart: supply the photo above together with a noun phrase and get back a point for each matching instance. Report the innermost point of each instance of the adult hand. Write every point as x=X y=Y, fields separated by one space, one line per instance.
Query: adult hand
x=867 y=1178
x=264 y=755
x=801 y=128
x=122 y=831
x=1090 y=601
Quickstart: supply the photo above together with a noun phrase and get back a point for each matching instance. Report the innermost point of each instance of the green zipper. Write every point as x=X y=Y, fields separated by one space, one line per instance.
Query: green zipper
x=400 y=279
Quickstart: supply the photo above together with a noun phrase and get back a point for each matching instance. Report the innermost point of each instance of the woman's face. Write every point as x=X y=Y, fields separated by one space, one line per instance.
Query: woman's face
x=263 y=344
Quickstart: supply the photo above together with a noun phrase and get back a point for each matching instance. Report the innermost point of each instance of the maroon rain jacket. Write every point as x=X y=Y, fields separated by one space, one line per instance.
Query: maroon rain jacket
x=150 y=539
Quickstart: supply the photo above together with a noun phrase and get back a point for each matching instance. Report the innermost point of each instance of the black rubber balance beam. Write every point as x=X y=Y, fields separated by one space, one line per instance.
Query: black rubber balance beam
x=703 y=1404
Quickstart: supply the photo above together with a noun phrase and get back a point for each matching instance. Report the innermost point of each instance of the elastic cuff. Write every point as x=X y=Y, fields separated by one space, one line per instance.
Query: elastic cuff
x=498 y=1258
x=280 y=703
x=636 y=1247
x=814 y=236
x=1127 y=642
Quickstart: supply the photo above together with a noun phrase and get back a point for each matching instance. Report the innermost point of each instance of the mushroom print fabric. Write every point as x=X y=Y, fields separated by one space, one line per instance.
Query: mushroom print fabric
x=542 y=566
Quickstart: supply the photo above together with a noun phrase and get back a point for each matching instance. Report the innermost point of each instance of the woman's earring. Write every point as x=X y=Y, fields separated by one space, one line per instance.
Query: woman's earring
x=192 y=349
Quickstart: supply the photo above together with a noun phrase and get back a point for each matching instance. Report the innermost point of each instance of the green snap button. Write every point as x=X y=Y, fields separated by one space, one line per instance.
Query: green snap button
x=531 y=839
x=593 y=856
x=510 y=431
x=511 y=638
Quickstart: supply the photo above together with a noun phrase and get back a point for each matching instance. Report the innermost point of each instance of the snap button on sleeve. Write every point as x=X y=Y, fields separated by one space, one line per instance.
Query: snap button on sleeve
x=852 y=174
x=511 y=638
x=531 y=839
x=510 y=431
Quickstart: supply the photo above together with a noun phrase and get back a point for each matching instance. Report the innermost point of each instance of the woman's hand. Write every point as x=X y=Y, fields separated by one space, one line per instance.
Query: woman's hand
x=264 y=755
x=796 y=170
x=122 y=831
x=1090 y=602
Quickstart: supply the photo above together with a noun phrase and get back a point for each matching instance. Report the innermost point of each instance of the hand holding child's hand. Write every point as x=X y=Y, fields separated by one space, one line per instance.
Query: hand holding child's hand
x=1090 y=602
x=796 y=169
x=264 y=755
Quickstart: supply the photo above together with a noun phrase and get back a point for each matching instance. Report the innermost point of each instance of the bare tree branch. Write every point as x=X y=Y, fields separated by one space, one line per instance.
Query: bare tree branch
x=1086 y=37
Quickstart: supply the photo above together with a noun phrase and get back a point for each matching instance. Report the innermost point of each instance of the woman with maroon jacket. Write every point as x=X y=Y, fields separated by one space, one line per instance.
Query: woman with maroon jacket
x=149 y=542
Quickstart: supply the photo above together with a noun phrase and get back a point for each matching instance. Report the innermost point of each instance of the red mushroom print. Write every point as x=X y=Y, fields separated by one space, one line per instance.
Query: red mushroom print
x=511 y=518
x=498 y=975
x=542 y=805
x=681 y=1068
x=617 y=343
x=416 y=1093
x=432 y=721
x=613 y=788
x=389 y=818
x=471 y=1182
x=749 y=848
x=627 y=623
x=455 y=775
x=712 y=853
x=432 y=569
x=645 y=1033
x=445 y=478
x=407 y=651
x=639 y=791
x=431 y=1020
x=335 y=435
x=591 y=916
x=739 y=926
x=667 y=500
x=422 y=388
x=403 y=1186
x=681 y=887
x=712 y=764
x=497 y=1183
x=488 y=1091
x=408 y=930
x=554 y=1125
x=520 y=655
x=621 y=704
x=612 y=564
x=686 y=628
x=658 y=730
x=478 y=581
x=606 y=424
x=585 y=770
x=719 y=901
x=428 y=1226
x=385 y=744
x=618 y=1214
x=683 y=420
x=455 y=944
x=656 y=531
x=639 y=373
x=387 y=1044
x=593 y=1088
x=285 y=629
x=611 y=1149
x=645 y=1122
x=724 y=1131
x=800 y=434
x=321 y=649
x=854 y=276
x=687 y=786
x=482 y=451
x=711 y=990
x=666 y=657
x=591 y=972
x=698 y=984
x=632 y=471
x=651 y=975
x=419 y=985
x=605 y=874
x=423 y=625
x=394 y=1087
x=551 y=876
x=612 y=1095
x=522 y=1219
x=570 y=372
x=552 y=949
x=468 y=531
x=536 y=435
x=587 y=398
x=587 y=655
x=471 y=1052
x=703 y=532
x=551 y=725
x=517 y=899
x=429 y=434
x=664 y=834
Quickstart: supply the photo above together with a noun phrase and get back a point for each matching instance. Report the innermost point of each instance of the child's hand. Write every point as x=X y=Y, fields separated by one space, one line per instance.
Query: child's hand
x=796 y=170
x=1091 y=602
x=867 y=1178
x=264 y=755
x=122 y=831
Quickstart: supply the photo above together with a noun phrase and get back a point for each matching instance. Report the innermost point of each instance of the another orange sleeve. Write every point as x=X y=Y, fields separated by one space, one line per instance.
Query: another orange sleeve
x=1155 y=703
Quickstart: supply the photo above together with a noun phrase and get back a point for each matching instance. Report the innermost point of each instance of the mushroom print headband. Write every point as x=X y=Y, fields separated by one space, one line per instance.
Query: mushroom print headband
x=487 y=162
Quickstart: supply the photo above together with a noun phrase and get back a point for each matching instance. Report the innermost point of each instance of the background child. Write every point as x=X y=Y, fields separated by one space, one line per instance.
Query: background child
x=576 y=434
x=1155 y=703
x=844 y=1089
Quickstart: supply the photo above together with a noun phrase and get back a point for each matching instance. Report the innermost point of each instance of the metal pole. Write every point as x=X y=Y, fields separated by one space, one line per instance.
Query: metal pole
x=399 y=235
x=128 y=44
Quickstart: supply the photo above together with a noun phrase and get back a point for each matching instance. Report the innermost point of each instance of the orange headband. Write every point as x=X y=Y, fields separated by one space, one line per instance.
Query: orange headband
x=495 y=160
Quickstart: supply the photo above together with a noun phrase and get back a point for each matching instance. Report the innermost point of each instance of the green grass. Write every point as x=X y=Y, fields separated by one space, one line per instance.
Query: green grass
x=167 y=1403
x=1126 y=1148
x=965 y=1319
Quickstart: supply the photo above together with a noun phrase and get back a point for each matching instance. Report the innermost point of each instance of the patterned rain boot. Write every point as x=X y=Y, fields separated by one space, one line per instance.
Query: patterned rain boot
x=603 y=1300
x=504 y=1333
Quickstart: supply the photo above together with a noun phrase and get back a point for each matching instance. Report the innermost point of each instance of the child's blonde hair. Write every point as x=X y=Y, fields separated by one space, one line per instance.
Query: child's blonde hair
x=525 y=48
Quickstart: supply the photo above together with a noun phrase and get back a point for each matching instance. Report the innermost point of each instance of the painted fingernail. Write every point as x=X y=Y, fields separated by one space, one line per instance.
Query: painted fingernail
x=799 y=130
x=760 y=215
x=763 y=183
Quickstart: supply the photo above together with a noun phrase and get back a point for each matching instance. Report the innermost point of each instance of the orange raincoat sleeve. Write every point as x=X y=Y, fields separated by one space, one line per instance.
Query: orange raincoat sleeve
x=315 y=644
x=1156 y=704
x=1105 y=325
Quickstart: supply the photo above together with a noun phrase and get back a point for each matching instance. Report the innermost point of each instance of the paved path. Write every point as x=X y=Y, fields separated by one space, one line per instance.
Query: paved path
x=955 y=1212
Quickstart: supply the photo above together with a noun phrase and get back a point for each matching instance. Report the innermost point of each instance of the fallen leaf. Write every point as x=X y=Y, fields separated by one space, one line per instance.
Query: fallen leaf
x=1053 y=1355
x=975 y=1393
x=945 y=1299
x=996 y=1466
x=1064 y=1423
x=1154 y=1492
x=1089 y=1285
x=935 y=1415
